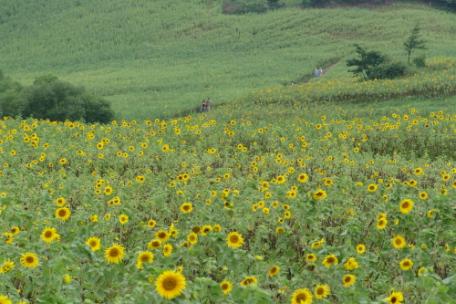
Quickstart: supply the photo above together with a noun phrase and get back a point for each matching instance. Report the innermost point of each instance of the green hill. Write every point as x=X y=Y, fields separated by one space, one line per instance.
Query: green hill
x=160 y=57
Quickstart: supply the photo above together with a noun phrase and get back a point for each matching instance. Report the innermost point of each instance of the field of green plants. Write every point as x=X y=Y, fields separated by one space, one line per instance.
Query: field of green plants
x=234 y=206
x=151 y=58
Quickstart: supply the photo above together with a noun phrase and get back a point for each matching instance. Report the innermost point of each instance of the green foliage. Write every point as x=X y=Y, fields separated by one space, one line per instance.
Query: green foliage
x=11 y=101
x=414 y=42
x=51 y=98
x=388 y=70
x=420 y=61
x=366 y=63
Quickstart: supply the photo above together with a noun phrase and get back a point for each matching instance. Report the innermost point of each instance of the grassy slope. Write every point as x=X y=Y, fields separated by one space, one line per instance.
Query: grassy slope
x=158 y=57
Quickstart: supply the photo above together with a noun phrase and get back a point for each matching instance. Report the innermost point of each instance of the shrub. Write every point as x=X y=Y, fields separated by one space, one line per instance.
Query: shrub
x=420 y=61
x=388 y=70
x=11 y=101
x=244 y=6
x=51 y=98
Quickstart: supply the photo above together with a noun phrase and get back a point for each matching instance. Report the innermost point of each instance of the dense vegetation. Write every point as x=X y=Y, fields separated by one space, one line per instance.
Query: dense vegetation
x=53 y=99
x=151 y=58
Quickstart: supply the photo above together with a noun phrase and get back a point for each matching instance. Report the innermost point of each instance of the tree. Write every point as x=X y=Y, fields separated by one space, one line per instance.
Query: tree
x=366 y=62
x=414 y=42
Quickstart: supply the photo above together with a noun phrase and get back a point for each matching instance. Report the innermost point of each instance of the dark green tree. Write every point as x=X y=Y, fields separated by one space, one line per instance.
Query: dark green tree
x=366 y=62
x=414 y=42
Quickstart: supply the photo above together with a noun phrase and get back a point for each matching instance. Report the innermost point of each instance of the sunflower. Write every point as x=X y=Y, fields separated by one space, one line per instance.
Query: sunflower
x=186 y=207
x=63 y=213
x=154 y=244
x=234 y=240
x=273 y=271
x=351 y=264
x=226 y=286
x=406 y=206
x=301 y=296
x=162 y=235
x=321 y=291
x=6 y=266
x=348 y=280
x=396 y=297
x=311 y=258
x=330 y=260
x=49 y=235
x=192 y=238
x=398 y=242
x=320 y=194
x=303 y=178
x=249 y=280
x=123 y=219
x=423 y=195
x=381 y=223
x=15 y=230
x=151 y=224
x=372 y=188
x=406 y=264
x=30 y=260
x=115 y=254
x=144 y=257
x=170 y=284
x=60 y=202
x=94 y=243
x=5 y=300
x=167 y=250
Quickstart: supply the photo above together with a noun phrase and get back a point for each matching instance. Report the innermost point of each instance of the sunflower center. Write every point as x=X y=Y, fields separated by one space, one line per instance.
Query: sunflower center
x=114 y=252
x=48 y=234
x=393 y=300
x=320 y=291
x=62 y=213
x=302 y=297
x=224 y=286
x=234 y=239
x=169 y=284
x=29 y=259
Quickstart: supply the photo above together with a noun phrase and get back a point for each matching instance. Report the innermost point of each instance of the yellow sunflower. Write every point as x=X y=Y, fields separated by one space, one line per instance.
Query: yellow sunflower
x=396 y=297
x=170 y=284
x=226 y=286
x=144 y=257
x=398 y=242
x=234 y=240
x=186 y=207
x=63 y=213
x=321 y=291
x=94 y=243
x=406 y=264
x=330 y=260
x=348 y=280
x=301 y=296
x=319 y=195
x=406 y=206
x=49 y=235
x=273 y=271
x=30 y=260
x=115 y=254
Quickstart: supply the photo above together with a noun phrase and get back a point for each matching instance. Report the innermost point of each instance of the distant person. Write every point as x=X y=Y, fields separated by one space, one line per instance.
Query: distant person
x=317 y=72
x=320 y=71
x=206 y=105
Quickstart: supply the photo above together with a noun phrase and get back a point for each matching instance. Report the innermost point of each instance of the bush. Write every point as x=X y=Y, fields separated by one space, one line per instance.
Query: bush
x=388 y=70
x=245 y=6
x=51 y=98
x=11 y=101
x=420 y=62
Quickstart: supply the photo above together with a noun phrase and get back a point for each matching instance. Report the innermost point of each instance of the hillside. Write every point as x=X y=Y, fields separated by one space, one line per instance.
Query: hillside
x=153 y=58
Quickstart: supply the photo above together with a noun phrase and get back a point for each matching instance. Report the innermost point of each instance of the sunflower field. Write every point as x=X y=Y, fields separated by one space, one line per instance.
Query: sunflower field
x=227 y=208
